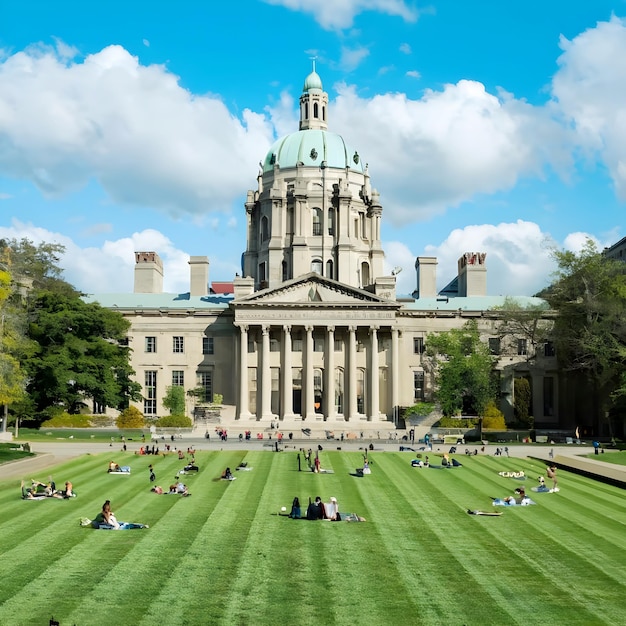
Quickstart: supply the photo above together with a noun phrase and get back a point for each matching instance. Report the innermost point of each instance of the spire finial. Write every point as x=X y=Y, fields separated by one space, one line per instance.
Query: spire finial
x=313 y=59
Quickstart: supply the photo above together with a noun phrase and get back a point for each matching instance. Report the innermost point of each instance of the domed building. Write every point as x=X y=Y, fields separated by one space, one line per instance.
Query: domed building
x=313 y=331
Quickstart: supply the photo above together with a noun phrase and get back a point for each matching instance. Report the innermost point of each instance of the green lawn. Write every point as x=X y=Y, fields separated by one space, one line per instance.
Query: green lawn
x=619 y=458
x=12 y=452
x=224 y=555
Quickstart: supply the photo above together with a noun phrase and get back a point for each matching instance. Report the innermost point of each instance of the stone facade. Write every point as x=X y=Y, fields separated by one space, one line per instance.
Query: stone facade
x=314 y=330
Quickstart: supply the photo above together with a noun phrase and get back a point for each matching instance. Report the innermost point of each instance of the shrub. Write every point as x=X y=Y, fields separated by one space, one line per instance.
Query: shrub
x=174 y=421
x=421 y=409
x=493 y=418
x=174 y=399
x=457 y=422
x=65 y=420
x=131 y=417
x=218 y=398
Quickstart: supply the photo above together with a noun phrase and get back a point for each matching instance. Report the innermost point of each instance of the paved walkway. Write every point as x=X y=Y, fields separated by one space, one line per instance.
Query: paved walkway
x=55 y=452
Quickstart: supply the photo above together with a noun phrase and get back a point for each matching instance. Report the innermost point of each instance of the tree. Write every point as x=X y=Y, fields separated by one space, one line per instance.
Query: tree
x=12 y=343
x=81 y=354
x=174 y=399
x=77 y=352
x=532 y=322
x=589 y=295
x=463 y=370
x=522 y=394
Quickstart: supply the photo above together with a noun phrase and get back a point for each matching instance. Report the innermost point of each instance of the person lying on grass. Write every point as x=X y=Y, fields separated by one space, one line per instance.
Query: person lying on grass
x=106 y=520
x=520 y=498
x=41 y=491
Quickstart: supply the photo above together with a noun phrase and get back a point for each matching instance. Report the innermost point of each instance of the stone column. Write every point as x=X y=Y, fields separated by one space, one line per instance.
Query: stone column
x=266 y=379
x=309 y=396
x=287 y=375
x=395 y=373
x=244 y=407
x=351 y=371
x=329 y=388
x=374 y=375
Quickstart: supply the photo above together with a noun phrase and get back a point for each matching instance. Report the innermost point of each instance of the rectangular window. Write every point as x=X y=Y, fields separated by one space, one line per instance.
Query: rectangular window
x=548 y=349
x=548 y=396
x=274 y=344
x=418 y=386
x=205 y=380
x=338 y=344
x=494 y=345
x=178 y=344
x=251 y=344
x=522 y=347
x=418 y=345
x=150 y=344
x=150 y=390
x=297 y=343
x=178 y=378
x=207 y=345
x=317 y=229
x=318 y=343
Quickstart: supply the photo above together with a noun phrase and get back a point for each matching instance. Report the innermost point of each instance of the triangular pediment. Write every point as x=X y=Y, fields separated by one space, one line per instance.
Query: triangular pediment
x=312 y=289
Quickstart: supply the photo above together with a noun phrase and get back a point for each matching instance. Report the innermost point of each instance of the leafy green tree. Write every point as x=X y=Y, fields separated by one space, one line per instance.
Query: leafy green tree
x=174 y=399
x=463 y=370
x=589 y=295
x=81 y=354
x=12 y=344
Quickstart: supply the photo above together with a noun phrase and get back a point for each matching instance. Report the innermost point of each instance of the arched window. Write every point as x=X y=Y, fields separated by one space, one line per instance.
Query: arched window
x=329 y=269
x=318 y=218
x=331 y=221
x=324 y=113
x=265 y=228
x=315 y=110
x=317 y=266
x=306 y=110
x=365 y=274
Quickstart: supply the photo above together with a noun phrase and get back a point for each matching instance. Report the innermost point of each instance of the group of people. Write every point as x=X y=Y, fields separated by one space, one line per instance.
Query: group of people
x=318 y=510
x=41 y=491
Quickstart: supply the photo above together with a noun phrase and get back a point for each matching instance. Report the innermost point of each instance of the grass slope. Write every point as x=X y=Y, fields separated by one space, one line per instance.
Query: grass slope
x=225 y=556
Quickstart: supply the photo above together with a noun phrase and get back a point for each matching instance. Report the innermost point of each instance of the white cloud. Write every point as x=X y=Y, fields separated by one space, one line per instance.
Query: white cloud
x=146 y=42
x=110 y=268
x=340 y=14
x=405 y=48
x=590 y=90
x=413 y=74
x=432 y=154
x=146 y=140
x=518 y=254
x=351 y=57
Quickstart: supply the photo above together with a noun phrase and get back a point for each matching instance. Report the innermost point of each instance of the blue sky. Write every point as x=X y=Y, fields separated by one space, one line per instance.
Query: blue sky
x=487 y=125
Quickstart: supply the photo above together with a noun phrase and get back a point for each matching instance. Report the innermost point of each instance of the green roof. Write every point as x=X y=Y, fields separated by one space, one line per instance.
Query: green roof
x=158 y=301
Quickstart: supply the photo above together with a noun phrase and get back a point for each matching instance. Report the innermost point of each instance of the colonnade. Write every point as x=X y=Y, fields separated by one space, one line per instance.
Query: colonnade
x=351 y=367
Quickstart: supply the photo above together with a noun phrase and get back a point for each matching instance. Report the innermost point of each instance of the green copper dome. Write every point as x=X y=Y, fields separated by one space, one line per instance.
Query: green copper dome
x=312 y=81
x=312 y=148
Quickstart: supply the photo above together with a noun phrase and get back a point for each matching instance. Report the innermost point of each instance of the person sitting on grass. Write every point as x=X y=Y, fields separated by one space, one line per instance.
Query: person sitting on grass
x=316 y=509
x=65 y=493
x=227 y=475
x=30 y=493
x=106 y=520
x=114 y=467
x=296 y=512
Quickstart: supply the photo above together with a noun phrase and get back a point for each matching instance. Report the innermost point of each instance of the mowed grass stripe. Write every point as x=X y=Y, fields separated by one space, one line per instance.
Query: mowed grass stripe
x=225 y=556
x=148 y=567
x=197 y=590
x=452 y=568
